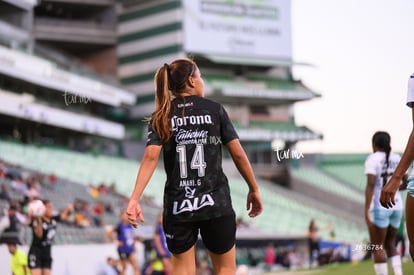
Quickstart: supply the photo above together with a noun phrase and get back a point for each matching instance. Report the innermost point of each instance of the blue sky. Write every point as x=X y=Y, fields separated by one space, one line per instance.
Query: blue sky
x=362 y=52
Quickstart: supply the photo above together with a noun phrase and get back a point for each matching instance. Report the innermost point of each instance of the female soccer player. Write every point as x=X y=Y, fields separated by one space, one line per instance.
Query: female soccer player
x=191 y=130
x=382 y=223
x=388 y=192
x=44 y=231
x=125 y=244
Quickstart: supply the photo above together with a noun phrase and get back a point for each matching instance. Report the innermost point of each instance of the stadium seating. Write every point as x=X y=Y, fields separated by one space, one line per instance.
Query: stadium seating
x=284 y=212
x=323 y=181
x=288 y=214
x=347 y=168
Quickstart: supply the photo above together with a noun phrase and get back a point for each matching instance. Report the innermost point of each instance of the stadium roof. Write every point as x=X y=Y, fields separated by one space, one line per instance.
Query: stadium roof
x=271 y=62
x=263 y=88
x=45 y=73
x=269 y=131
x=24 y=106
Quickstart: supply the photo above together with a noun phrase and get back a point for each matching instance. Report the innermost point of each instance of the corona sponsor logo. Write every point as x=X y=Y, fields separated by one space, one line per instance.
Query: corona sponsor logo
x=190 y=120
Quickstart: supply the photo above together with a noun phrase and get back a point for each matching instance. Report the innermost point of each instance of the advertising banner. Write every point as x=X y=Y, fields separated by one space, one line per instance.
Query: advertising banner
x=244 y=28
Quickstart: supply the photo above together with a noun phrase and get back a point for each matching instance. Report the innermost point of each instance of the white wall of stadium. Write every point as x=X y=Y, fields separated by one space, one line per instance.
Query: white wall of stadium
x=73 y=259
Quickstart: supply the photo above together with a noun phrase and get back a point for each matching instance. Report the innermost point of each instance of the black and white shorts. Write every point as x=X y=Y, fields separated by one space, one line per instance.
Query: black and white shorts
x=218 y=234
x=39 y=261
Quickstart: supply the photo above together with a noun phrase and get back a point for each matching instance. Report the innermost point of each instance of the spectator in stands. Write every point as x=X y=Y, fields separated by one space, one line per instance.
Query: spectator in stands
x=270 y=256
x=292 y=258
x=19 y=185
x=2 y=170
x=109 y=208
x=33 y=188
x=52 y=179
x=4 y=193
x=98 y=211
x=341 y=254
x=10 y=226
x=18 y=260
x=382 y=223
x=47 y=181
x=191 y=131
x=391 y=188
x=13 y=173
x=102 y=189
x=82 y=214
x=125 y=244
x=160 y=246
x=43 y=234
x=93 y=191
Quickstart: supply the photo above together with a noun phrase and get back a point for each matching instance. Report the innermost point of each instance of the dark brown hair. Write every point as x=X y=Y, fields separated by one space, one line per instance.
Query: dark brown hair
x=170 y=81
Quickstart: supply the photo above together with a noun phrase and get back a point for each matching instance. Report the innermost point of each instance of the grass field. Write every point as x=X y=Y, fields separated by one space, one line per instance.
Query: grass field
x=362 y=268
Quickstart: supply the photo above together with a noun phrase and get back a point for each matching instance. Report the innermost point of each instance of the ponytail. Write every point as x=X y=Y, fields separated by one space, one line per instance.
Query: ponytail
x=170 y=81
x=382 y=140
x=160 y=119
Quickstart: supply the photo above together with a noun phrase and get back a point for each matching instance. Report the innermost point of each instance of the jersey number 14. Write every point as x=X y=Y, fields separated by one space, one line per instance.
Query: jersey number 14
x=197 y=161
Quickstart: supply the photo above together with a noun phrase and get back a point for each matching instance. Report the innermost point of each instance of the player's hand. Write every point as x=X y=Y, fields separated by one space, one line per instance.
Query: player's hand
x=388 y=192
x=254 y=204
x=134 y=212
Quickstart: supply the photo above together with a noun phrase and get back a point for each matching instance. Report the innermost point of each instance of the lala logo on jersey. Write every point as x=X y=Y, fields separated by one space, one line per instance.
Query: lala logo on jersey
x=192 y=203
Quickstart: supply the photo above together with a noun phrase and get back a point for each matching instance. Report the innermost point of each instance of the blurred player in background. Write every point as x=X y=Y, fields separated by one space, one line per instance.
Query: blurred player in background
x=382 y=223
x=44 y=231
x=160 y=246
x=388 y=192
x=125 y=244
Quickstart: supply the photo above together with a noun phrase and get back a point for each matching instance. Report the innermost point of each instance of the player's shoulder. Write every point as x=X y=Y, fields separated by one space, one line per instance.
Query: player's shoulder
x=374 y=157
x=371 y=156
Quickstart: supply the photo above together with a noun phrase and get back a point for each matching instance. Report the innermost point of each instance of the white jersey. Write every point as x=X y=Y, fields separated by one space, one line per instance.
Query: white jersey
x=375 y=165
x=410 y=92
x=410 y=103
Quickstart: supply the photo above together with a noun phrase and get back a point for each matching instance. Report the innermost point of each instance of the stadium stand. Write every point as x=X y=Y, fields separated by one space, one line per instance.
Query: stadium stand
x=64 y=191
x=348 y=168
x=286 y=212
x=323 y=181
